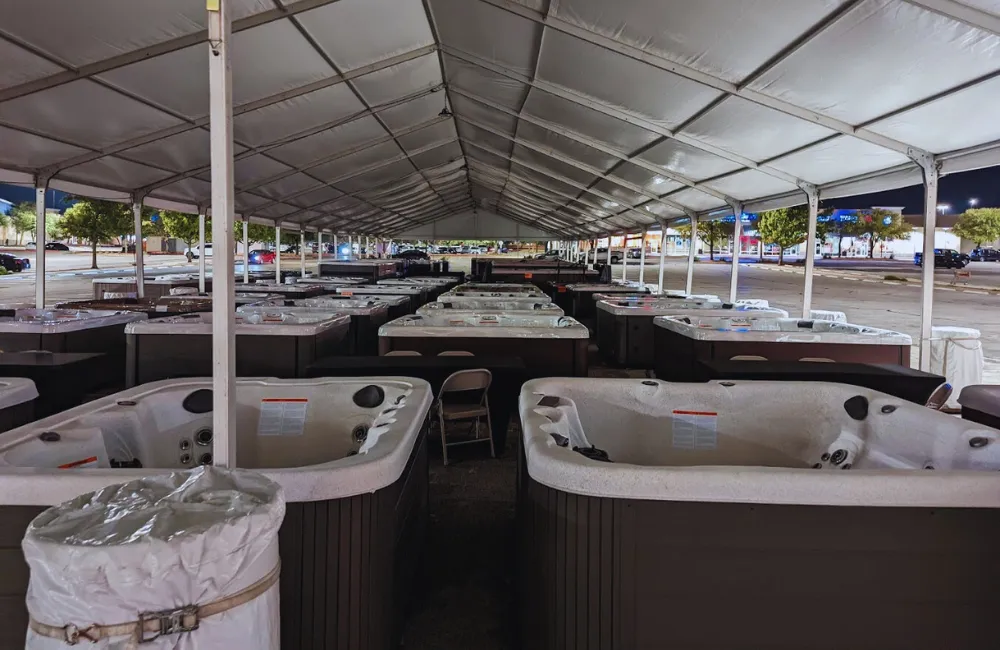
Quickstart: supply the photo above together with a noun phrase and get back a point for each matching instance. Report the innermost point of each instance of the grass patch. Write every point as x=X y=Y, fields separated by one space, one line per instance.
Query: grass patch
x=895 y=278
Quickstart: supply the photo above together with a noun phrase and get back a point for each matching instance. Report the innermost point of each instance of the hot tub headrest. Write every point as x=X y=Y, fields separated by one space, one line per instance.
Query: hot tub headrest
x=805 y=324
x=369 y=397
x=198 y=401
x=857 y=407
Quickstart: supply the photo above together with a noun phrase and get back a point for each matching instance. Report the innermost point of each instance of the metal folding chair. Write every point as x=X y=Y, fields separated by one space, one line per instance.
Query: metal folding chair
x=464 y=381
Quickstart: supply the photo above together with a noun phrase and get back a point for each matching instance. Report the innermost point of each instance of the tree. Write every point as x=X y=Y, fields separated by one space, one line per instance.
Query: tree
x=785 y=227
x=22 y=219
x=841 y=227
x=979 y=225
x=879 y=225
x=710 y=231
x=96 y=221
x=184 y=227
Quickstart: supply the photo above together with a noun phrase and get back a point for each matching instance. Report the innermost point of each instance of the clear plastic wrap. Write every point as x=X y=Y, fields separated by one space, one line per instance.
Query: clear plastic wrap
x=158 y=544
x=274 y=287
x=471 y=324
x=16 y=390
x=275 y=322
x=751 y=327
x=672 y=307
x=58 y=321
x=539 y=306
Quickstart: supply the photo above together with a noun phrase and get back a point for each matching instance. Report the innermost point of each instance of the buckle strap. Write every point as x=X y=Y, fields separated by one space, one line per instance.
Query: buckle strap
x=153 y=625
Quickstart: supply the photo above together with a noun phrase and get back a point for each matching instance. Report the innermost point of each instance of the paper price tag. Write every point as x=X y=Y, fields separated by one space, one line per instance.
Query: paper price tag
x=282 y=416
x=695 y=429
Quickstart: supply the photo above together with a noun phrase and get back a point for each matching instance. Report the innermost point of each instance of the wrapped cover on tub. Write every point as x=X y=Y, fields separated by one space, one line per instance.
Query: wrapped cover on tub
x=483 y=324
x=538 y=307
x=667 y=306
x=185 y=560
x=781 y=330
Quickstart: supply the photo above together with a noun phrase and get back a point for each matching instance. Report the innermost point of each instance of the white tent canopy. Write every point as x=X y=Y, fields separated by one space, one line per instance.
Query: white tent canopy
x=576 y=117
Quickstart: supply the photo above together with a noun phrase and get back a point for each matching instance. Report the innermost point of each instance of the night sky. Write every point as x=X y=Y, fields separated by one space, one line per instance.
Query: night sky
x=956 y=190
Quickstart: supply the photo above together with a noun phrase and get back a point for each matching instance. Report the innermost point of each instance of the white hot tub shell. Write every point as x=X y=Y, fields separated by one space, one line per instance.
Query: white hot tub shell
x=349 y=454
x=758 y=503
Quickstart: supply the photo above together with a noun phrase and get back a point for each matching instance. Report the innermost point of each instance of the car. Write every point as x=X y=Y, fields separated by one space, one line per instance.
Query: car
x=56 y=246
x=547 y=255
x=13 y=264
x=262 y=256
x=194 y=253
x=616 y=255
x=944 y=258
x=635 y=253
x=411 y=254
x=984 y=255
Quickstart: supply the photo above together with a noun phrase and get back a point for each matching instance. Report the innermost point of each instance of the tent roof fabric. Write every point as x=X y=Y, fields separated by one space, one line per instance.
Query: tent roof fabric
x=575 y=117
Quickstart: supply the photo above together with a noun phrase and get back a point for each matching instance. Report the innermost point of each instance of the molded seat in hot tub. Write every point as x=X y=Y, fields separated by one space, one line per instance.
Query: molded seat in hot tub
x=681 y=341
x=554 y=344
x=624 y=328
x=349 y=454
x=366 y=317
x=787 y=510
x=282 y=345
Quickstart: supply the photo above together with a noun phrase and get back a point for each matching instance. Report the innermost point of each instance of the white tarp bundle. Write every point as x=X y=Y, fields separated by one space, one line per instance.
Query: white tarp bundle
x=957 y=354
x=157 y=544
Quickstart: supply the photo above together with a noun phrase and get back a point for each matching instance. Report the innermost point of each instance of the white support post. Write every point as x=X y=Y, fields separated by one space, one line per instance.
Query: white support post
x=642 y=260
x=931 y=171
x=41 y=187
x=201 y=252
x=663 y=256
x=336 y=247
x=610 y=268
x=734 y=273
x=368 y=250
x=220 y=85
x=246 y=251
x=625 y=257
x=319 y=249
x=140 y=275
x=812 y=193
x=277 y=253
x=689 y=282
x=302 y=252
x=350 y=246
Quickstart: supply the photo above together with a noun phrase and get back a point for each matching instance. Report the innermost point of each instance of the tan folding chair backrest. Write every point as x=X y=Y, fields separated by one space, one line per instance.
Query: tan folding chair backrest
x=747 y=357
x=817 y=359
x=455 y=353
x=478 y=379
x=403 y=353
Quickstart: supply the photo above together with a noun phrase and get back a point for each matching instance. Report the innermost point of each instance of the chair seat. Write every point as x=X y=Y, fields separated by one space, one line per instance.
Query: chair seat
x=463 y=411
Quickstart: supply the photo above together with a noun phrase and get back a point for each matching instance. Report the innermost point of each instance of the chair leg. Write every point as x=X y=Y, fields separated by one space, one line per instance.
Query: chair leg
x=444 y=440
x=489 y=430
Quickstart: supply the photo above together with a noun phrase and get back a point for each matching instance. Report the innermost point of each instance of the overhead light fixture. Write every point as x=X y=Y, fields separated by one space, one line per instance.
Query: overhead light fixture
x=445 y=112
x=657 y=181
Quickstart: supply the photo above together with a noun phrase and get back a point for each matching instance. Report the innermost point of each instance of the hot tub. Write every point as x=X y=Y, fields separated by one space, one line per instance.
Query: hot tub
x=450 y=301
x=537 y=294
x=681 y=341
x=331 y=285
x=366 y=317
x=578 y=299
x=625 y=327
x=433 y=286
x=295 y=290
x=371 y=270
x=496 y=286
x=415 y=295
x=722 y=517
x=554 y=344
x=151 y=307
x=353 y=472
x=17 y=402
x=67 y=330
x=523 y=307
x=242 y=298
x=152 y=287
x=283 y=345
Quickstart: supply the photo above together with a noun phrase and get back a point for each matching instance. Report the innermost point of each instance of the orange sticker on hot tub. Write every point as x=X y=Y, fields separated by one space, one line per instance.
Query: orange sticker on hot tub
x=79 y=464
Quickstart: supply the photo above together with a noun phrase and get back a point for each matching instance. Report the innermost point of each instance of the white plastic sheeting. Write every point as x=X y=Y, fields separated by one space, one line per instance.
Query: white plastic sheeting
x=571 y=117
x=957 y=353
x=156 y=544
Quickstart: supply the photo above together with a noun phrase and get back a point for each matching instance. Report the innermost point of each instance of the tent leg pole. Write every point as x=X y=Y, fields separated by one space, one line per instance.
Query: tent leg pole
x=41 y=187
x=140 y=275
x=625 y=258
x=277 y=253
x=734 y=274
x=223 y=207
x=932 y=172
x=302 y=252
x=246 y=252
x=663 y=255
x=689 y=281
x=642 y=260
x=201 y=252
x=812 y=193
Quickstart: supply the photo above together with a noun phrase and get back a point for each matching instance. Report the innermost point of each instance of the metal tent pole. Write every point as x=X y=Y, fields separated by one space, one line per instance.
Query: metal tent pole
x=932 y=172
x=277 y=253
x=319 y=249
x=812 y=193
x=41 y=187
x=140 y=275
x=302 y=252
x=734 y=274
x=625 y=257
x=223 y=281
x=663 y=257
x=201 y=251
x=642 y=260
x=689 y=281
x=246 y=252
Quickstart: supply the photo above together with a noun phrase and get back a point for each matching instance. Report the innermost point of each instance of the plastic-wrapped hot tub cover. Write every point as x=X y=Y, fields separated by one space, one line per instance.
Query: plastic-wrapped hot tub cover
x=58 y=321
x=614 y=287
x=669 y=307
x=496 y=286
x=345 y=281
x=160 y=543
x=538 y=306
x=389 y=290
x=330 y=303
x=780 y=330
x=510 y=295
x=485 y=325
x=823 y=314
x=277 y=323
x=274 y=287
x=16 y=390
x=281 y=312
x=957 y=353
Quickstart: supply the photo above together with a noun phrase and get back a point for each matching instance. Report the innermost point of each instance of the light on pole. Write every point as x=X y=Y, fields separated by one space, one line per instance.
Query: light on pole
x=943 y=208
x=973 y=203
